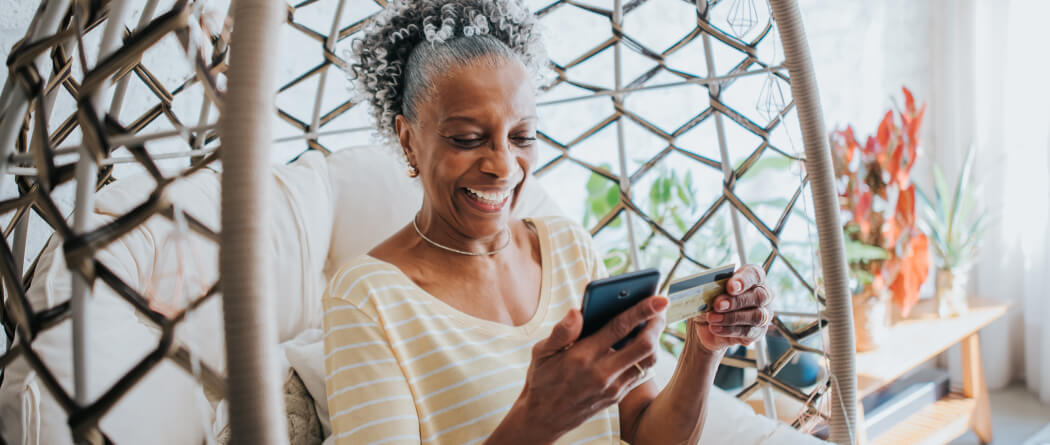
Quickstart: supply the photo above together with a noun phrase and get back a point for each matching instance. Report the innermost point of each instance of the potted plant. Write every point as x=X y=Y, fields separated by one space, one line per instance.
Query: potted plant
x=887 y=253
x=954 y=221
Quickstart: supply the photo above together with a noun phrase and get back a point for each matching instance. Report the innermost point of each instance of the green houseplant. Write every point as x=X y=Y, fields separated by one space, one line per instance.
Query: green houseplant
x=955 y=223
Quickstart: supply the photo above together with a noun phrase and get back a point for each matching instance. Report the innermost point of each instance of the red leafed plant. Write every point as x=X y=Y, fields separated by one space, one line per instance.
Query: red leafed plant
x=884 y=246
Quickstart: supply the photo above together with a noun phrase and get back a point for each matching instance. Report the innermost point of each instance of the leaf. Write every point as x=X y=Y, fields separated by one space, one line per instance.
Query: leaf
x=597 y=183
x=612 y=197
x=886 y=130
x=941 y=193
x=660 y=191
x=601 y=201
x=966 y=205
x=963 y=180
x=679 y=222
x=974 y=232
x=906 y=207
x=924 y=200
x=684 y=194
x=914 y=269
x=858 y=252
x=909 y=100
x=937 y=233
x=928 y=211
x=602 y=205
x=596 y=209
x=771 y=162
x=946 y=255
x=616 y=260
x=980 y=225
x=597 y=188
x=863 y=277
x=862 y=212
x=898 y=173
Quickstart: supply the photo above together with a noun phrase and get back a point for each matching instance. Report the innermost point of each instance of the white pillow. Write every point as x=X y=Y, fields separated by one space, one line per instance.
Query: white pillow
x=372 y=198
x=302 y=214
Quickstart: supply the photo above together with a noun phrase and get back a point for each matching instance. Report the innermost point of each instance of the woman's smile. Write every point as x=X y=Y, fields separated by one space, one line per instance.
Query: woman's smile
x=487 y=201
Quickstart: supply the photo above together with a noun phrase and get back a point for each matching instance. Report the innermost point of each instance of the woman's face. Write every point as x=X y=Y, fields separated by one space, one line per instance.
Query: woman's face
x=473 y=140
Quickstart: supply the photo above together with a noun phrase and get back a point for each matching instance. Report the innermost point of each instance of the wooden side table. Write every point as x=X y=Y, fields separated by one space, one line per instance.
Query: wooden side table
x=913 y=342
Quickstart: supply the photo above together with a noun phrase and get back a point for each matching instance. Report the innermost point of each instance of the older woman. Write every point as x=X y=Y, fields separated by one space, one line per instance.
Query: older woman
x=462 y=327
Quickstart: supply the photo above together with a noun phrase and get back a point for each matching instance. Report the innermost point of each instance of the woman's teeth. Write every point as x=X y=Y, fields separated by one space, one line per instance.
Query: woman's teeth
x=493 y=198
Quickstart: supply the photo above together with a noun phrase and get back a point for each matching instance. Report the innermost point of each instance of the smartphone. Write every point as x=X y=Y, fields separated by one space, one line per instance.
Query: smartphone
x=606 y=298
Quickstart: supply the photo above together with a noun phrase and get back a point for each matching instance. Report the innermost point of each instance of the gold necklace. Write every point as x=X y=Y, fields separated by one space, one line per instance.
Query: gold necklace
x=461 y=252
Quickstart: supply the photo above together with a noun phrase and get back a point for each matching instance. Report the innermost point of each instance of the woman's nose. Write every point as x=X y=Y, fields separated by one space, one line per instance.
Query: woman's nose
x=499 y=160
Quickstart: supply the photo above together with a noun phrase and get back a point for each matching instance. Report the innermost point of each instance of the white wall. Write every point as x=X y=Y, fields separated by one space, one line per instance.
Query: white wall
x=863 y=52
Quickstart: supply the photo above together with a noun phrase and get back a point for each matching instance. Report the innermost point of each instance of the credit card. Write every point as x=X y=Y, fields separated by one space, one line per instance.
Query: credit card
x=693 y=295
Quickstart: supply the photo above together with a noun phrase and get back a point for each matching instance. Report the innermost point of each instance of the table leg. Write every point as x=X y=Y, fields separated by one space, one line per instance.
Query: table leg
x=974 y=386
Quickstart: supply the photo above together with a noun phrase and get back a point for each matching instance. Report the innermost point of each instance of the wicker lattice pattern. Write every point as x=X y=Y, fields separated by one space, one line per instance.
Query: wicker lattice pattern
x=316 y=111
x=674 y=144
x=38 y=163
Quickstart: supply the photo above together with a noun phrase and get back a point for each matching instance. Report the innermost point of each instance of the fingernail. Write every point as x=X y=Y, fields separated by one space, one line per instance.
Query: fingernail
x=716 y=318
x=734 y=286
x=660 y=303
x=722 y=306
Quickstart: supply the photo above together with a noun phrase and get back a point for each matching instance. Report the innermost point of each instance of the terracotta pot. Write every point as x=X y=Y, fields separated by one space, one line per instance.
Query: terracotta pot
x=951 y=293
x=871 y=318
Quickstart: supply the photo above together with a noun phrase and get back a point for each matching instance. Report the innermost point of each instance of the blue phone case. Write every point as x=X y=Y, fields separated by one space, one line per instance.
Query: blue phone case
x=606 y=298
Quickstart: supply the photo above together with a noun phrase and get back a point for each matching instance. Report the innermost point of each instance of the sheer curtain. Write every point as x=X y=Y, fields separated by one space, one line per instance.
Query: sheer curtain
x=991 y=88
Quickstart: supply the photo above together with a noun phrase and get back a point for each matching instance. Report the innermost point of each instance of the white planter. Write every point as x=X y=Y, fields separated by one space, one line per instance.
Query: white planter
x=951 y=293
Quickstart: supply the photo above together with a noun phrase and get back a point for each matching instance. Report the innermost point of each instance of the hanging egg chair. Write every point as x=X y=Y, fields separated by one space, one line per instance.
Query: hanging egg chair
x=120 y=121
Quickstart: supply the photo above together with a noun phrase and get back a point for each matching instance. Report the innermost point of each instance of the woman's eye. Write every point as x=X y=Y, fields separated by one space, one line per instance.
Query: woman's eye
x=467 y=142
x=524 y=140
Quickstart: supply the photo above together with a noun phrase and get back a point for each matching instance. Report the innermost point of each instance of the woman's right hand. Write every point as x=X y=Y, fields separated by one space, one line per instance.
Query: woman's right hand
x=569 y=381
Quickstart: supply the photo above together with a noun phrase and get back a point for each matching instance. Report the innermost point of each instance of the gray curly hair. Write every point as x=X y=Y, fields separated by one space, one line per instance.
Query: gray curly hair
x=411 y=41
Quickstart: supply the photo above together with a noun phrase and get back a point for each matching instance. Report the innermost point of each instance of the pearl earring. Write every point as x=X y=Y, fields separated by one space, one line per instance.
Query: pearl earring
x=412 y=171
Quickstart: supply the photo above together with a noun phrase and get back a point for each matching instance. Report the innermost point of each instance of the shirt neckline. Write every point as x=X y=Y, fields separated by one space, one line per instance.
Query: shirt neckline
x=526 y=329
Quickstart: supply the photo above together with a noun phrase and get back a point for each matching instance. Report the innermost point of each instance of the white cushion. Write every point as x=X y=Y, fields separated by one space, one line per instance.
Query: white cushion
x=303 y=217
x=372 y=198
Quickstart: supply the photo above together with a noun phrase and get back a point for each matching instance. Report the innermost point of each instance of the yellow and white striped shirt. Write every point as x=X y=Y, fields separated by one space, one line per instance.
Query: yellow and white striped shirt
x=404 y=367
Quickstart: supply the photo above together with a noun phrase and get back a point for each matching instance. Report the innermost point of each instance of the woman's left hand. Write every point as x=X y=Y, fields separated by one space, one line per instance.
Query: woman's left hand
x=740 y=316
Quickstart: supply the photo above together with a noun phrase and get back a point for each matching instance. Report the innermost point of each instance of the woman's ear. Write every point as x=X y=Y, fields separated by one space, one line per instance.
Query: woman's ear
x=404 y=135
